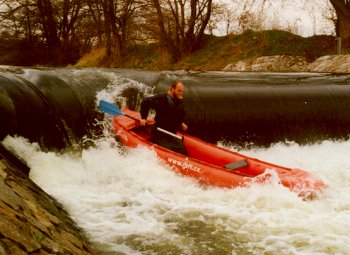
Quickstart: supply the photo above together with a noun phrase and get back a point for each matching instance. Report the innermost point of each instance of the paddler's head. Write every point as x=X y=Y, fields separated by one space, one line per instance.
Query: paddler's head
x=176 y=89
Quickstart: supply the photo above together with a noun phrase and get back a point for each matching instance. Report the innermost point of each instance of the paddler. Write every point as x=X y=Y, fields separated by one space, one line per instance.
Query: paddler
x=170 y=115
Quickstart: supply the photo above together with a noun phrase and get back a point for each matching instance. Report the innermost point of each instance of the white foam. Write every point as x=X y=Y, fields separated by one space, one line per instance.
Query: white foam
x=127 y=200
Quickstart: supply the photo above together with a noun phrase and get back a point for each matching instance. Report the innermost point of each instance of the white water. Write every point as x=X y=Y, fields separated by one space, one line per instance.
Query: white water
x=129 y=203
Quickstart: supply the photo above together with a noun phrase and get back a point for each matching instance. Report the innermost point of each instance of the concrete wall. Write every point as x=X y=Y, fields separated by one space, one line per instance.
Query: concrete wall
x=32 y=222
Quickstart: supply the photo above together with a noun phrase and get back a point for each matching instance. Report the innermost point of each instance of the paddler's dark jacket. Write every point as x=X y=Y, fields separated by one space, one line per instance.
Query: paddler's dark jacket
x=170 y=112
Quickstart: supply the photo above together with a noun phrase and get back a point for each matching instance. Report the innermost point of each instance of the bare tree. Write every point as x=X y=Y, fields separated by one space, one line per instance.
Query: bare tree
x=182 y=24
x=20 y=26
x=46 y=26
x=342 y=9
x=49 y=28
x=330 y=18
x=68 y=28
x=342 y=20
x=69 y=16
x=114 y=20
x=223 y=18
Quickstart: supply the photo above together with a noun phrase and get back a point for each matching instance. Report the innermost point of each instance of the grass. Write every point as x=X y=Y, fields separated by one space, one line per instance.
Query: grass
x=217 y=52
x=93 y=58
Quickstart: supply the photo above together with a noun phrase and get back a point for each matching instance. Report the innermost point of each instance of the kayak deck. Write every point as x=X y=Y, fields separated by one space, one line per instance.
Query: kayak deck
x=217 y=156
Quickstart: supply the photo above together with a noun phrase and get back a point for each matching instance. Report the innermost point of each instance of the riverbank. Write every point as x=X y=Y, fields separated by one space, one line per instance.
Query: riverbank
x=265 y=51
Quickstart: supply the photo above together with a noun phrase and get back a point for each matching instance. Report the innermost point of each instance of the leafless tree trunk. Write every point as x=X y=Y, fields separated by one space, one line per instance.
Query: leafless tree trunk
x=182 y=24
x=50 y=30
x=342 y=9
x=68 y=23
x=116 y=17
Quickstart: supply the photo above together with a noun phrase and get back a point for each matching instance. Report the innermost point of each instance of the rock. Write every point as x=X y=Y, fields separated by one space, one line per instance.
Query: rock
x=284 y=63
x=278 y=63
x=331 y=63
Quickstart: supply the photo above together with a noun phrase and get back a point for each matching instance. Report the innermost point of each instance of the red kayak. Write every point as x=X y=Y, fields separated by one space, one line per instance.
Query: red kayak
x=212 y=165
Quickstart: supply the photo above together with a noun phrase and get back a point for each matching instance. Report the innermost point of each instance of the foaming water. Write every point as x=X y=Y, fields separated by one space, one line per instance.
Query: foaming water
x=130 y=203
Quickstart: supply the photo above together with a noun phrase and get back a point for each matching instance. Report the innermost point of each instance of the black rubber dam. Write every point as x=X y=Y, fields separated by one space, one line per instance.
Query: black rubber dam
x=57 y=107
x=266 y=108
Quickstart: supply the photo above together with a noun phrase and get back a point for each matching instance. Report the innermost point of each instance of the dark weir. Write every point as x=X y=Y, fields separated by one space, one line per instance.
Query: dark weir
x=56 y=108
x=265 y=108
x=47 y=111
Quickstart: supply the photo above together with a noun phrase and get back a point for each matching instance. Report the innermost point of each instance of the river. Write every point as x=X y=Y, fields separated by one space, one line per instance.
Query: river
x=130 y=203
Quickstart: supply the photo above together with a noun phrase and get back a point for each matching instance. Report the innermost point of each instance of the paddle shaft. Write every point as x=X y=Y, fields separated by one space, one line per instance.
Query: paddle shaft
x=158 y=128
x=115 y=111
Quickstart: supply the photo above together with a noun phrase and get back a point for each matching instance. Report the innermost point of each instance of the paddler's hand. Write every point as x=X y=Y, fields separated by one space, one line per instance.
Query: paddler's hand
x=183 y=126
x=143 y=122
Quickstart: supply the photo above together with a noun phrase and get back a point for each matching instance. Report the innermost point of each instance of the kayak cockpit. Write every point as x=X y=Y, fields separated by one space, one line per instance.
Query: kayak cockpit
x=208 y=153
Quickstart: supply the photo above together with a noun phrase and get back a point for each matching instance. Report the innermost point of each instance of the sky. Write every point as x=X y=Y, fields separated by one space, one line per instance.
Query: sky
x=308 y=19
x=303 y=17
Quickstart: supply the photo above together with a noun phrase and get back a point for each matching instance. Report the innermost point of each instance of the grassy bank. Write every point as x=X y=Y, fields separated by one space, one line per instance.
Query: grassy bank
x=217 y=52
